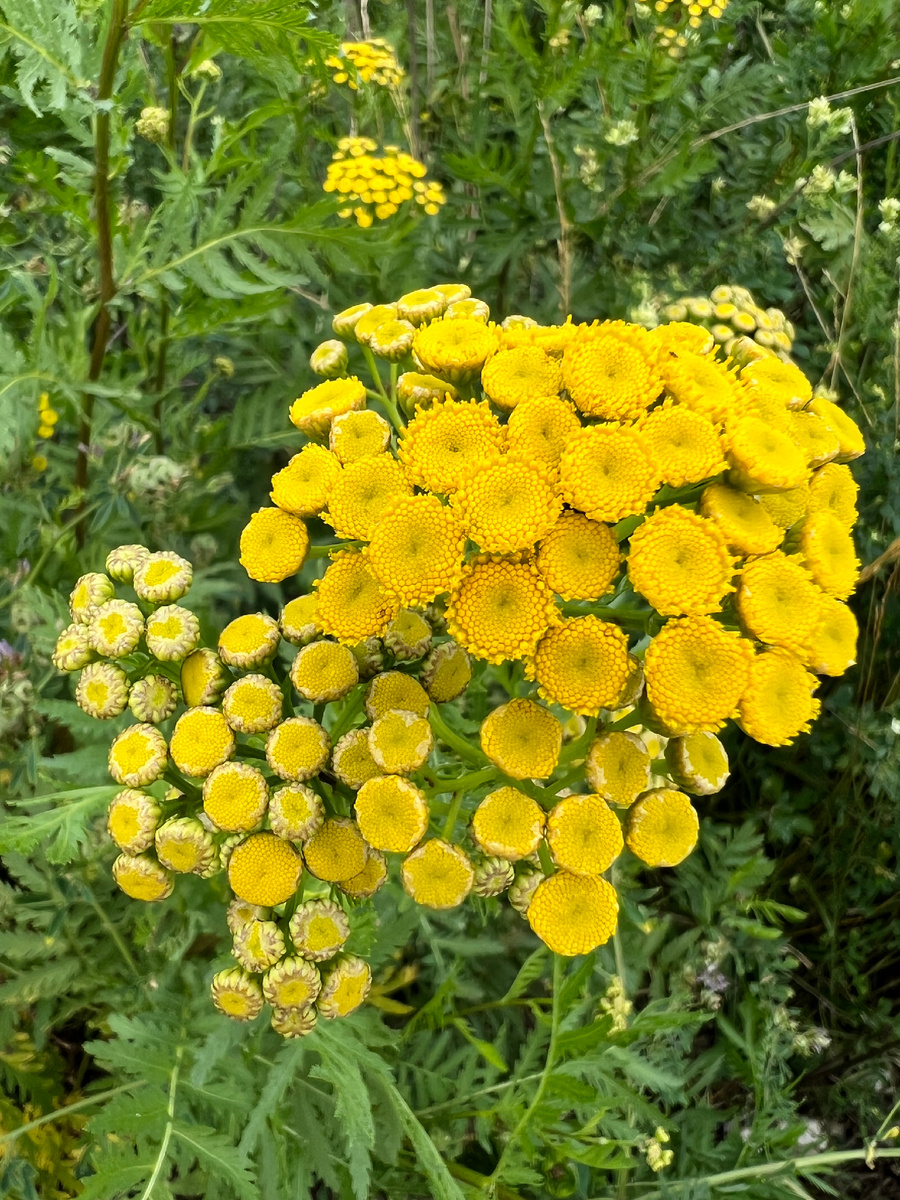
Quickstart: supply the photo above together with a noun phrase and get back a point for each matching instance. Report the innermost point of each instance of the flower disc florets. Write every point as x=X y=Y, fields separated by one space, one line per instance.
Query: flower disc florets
x=696 y=673
x=138 y=755
x=299 y=620
x=393 y=690
x=203 y=678
x=685 y=443
x=184 y=845
x=679 y=562
x=115 y=628
x=258 y=945
x=297 y=749
x=437 y=875
x=142 y=878
x=162 y=577
x=249 y=641
x=235 y=797
x=121 y=562
x=319 y=929
x=352 y=603
x=828 y=554
x=579 y=558
x=312 y=413
x=608 y=472
x=508 y=824
x=522 y=739
x=363 y=492
x=662 y=828
x=513 y=376
x=745 y=522
x=274 y=545
x=778 y=702
x=295 y=812
x=416 y=549
x=400 y=741
x=447 y=672
x=764 y=459
x=611 y=371
x=336 y=851
x=457 y=347
x=153 y=698
x=408 y=636
x=201 y=741
x=324 y=671
x=830 y=648
x=584 y=835
x=833 y=489
x=102 y=691
x=172 y=633
x=344 y=988
x=357 y=435
x=573 y=914
x=252 y=704
x=583 y=664
x=500 y=608
x=352 y=761
x=132 y=820
x=618 y=767
x=539 y=428
x=292 y=983
x=72 y=650
x=698 y=763
x=264 y=870
x=236 y=994
x=392 y=813
x=302 y=487
x=372 y=877
x=777 y=600
x=87 y=595
x=506 y=504
x=440 y=443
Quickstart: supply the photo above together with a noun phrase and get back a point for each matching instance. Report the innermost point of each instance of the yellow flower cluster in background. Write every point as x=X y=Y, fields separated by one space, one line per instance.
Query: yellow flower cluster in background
x=375 y=186
x=365 y=62
x=732 y=314
x=669 y=35
x=47 y=418
x=629 y=538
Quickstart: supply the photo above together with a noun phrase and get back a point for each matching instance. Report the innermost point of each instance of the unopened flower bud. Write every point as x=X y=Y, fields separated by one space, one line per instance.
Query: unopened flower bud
x=183 y=845
x=153 y=699
x=208 y=69
x=294 y=1022
x=153 y=124
x=408 y=635
x=258 y=945
x=203 y=678
x=522 y=889
x=292 y=983
x=236 y=994
x=89 y=593
x=102 y=691
x=172 y=633
x=329 y=359
x=319 y=929
x=344 y=988
x=72 y=650
x=344 y=323
x=115 y=628
x=132 y=820
x=142 y=878
x=121 y=562
x=492 y=877
x=138 y=755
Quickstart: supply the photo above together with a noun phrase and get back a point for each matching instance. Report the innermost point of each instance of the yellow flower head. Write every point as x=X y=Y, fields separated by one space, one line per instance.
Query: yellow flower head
x=506 y=504
x=258 y=945
x=295 y=812
x=705 y=385
x=440 y=444
x=264 y=870
x=299 y=620
x=662 y=828
x=416 y=390
x=685 y=443
x=830 y=648
x=319 y=929
x=121 y=562
x=764 y=459
x=400 y=742
x=116 y=628
x=408 y=636
x=162 y=577
x=452 y=291
x=508 y=824
x=324 y=671
x=611 y=371
x=372 y=320
x=417 y=548
x=203 y=678
x=252 y=704
x=696 y=673
x=352 y=761
x=345 y=987
x=138 y=755
x=618 y=767
x=294 y=1022
x=352 y=604
x=813 y=438
x=698 y=763
x=833 y=489
x=313 y=412
x=344 y=323
x=89 y=593
x=500 y=608
x=235 y=797
x=274 y=545
x=788 y=507
x=744 y=522
x=573 y=914
x=447 y=672
x=391 y=340
x=584 y=835
x=539 y=428
x=236 y=994
x=778 y=703
x=329 y=359
x=291 y=983
x=778 y=601
x=783 y=380
x=829 y=555
x=392 y=813
x=153 y=698
x=142 y=878
x=72 y=650
x=371 y=878
x=608 y=472
x=424 y=304
x=171 y=633
x=297 y=749
x=363 y=492
x=457 y=347
x=681 y=337
x=336 y=851
x=848 y=433
x=392 y=690
x=357 y=435
x=437 y=875
x=102 y=691
x=522 y=739
x=679 y=562
x=302 y=486
x=470 y=307
x=583 y=665
x=512 y=376
x=132 y=820
x=201 y=741
x=184 y=845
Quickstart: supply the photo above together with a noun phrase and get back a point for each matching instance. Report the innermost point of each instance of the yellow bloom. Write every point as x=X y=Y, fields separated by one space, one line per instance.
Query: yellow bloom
x=408 y=636
x=236 y=994
x=352 y=604
x=153 y=698
x=295 y=812
x=696 y=673
x=142 y=878
x=302 y=486
x=297 y=749
x=744 y=522
x=291 y=983
x=457 y=348
x=319 y=929
x=512 y=376
x=324 y=671
x=253 y=704
x=848 y=433
x=201 y=741
x=371 y=878
x=618 y=767
x=299 y=620
x=88 y=594
x=833 y=489
x=171 y=633
x=203 y=678
x=185 y=846
x=764 y=459
x=470 y=307
x=336 y=851
x=392 y=813
x=352 y=761
x=500 y=608
x=452 y=291
x=437 y=875
x=258 y=945
x=264 y=870
x=662 y=828
x=506 y=504
x=235 y=797
x=573 y=914
x=539 y=428
x=132 y=820
x=682 y=337
x=72 y=649
x=393 y=689
x=788 y=507
x=778 y=703
x=440 y=444
x=392 y=339
x=813 y=438
x=522 y=739
x=828 y=554
x=608 y=472
x=679 y=562
x=329 y=359
x=424 y=304
x=778 y=601
x=163 y=577
x=704 y=385
x=830 y=647
x=115 y=628
x=372 y=319
x=698 y=763
x=274 y=545
x=102 y=691
x=508 y=824
x=611 y=371
x=313 y=412
x=415 y=389
x=138 y=755
x=781 y=379
x=344 y=323
x=684 y=443
x=416 y=548
x=583 y=665
x=447 y=672
x=345 y=987
x=400 y=742
x=357 y=435
x=584 y=835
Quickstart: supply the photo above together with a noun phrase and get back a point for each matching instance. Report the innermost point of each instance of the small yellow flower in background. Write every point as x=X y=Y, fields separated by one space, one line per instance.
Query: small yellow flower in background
x=374 y=186
x=372 y=61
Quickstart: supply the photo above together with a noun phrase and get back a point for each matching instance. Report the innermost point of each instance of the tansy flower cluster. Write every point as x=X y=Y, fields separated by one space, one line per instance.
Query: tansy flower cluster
x=376 y=185
x=365 y=62
x=679 y=16
x=627 y=538
x=733 y=317
x=47 y=419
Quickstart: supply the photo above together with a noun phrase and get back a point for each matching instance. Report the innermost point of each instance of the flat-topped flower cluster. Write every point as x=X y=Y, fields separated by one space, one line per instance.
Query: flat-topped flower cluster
x=629 y=539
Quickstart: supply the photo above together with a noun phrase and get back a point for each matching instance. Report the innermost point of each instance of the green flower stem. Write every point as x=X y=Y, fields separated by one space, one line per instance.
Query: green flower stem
x=467 y=1175
x=58 y=1113
x=373 y=368
x=624 y=616
x=452 y=815
x=331 y=548
x=251 y=752
x=545 y=857
x=178 y=780
x=113 y=933
x=170 y=1125
x=393 y=413
x=454 y=740
x=463 y=782
x=352 y=705
x=577 y=748
x=35 y=571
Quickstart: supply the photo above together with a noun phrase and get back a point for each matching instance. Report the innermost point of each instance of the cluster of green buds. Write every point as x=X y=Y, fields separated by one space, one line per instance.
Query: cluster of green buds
x=733 y=317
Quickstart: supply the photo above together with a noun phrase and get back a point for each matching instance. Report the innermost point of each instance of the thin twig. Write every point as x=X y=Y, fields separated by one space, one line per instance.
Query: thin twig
x=564 y=242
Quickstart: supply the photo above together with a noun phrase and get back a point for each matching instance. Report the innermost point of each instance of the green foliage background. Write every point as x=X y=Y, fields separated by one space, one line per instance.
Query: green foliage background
x=763 y=972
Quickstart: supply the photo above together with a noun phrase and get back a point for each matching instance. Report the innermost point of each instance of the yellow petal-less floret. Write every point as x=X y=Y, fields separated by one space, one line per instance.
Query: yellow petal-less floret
x=297 y=749
x=203 y=678
x=400 y=742
x=573 y=914
x=352 y=603
x=352 y=761
x=830 y=647
x=416 y=549
x=392 y=813
x=584 y=835
x=253 y=704
x=408 y=636
x=312 y=413
x=357 y=435
x=258 y=945
x=781 y=379
x=457 y=348
x=447 y=672
x=611 y=371
x=696 y=672
x=236 y=994
x=618 y=767
x=833 y=489
x=295 y=812
x=745 y=522
x=583 y=664
x=185 y=845
x=235 y=797
x=850 y=438
x=324 y=671
x=523 y=739
x=704 y=385
x=778 y=703
x=684 y=443
x=815 y=440
x=274 y=545
x=132 y=820
x=153 y=698
x=539 y=428
x=319 y=929
x=828 y=554
x=506 y=504
x=440 y=443
x=162 y=577
x=788 y=507
x=142 y=878
x=138 y=755
x=264 y=870
x=437 y=875
x=363 y=492
x=299 y=620
x=679 y=562
x=336 y=851
x=608 y=472
x=508 y=824
x=682 y=337
x=302 y=486
x=102 y=691
x=500 y=608
x=764 y=459
x=393 y=689
x=345 y=987
x=662 y=828
x=777 y=600
x=371 y=878
x=513 y=376
x=249 y=641
x=291 y=983
x=698 y=763
x=201 y=741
